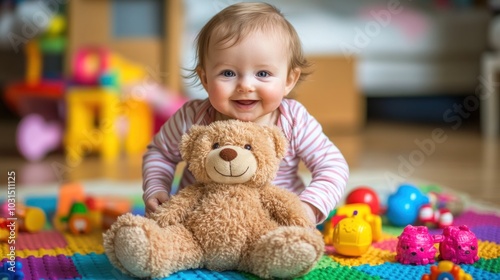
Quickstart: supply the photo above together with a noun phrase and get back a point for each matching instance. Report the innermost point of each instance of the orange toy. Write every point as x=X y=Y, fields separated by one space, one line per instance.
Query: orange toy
x=447 y=270
x=68 y=194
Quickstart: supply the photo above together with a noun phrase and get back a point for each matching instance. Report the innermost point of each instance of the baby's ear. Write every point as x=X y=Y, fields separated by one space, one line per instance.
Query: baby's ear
x=279 y=139
x=188 y=140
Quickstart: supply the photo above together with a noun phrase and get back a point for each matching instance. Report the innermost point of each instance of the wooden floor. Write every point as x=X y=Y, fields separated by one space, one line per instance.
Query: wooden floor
x=459 y=159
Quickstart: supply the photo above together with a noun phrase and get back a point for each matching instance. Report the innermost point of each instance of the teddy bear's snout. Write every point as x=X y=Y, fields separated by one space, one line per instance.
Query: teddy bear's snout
x=228 y=154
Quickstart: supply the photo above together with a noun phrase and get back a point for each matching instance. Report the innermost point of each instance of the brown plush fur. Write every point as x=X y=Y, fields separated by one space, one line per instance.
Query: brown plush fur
x=232 y=218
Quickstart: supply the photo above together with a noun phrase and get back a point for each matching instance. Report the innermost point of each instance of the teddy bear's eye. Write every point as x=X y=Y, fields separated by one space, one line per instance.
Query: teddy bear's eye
x=459 y=247
x=473 y=247
x=215 y=146
x=421 y=249
x=248 y=147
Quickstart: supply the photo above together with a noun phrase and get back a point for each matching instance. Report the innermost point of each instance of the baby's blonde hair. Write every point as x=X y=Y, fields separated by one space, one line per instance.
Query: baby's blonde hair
x=237 y=21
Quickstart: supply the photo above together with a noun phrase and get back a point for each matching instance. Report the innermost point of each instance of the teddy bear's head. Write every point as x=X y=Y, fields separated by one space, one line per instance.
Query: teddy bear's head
x=232 y=152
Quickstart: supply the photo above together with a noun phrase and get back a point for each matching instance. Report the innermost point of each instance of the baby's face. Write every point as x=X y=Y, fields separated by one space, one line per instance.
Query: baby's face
x=247 y=81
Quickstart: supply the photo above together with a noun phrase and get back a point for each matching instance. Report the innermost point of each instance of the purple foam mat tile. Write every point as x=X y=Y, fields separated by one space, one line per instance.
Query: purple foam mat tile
x=48 y=267
x=487 y=233
x=48 y=239
x=472 y=218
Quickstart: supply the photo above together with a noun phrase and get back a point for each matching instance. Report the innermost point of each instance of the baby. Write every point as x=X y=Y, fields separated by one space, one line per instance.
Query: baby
x=249 y=58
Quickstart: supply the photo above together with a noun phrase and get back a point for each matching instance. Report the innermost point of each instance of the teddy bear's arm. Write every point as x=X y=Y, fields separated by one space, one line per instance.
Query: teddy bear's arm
x=284 y=207
x=178 y=207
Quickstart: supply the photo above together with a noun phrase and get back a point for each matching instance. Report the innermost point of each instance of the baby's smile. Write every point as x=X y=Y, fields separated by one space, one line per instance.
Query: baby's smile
x=246 y=104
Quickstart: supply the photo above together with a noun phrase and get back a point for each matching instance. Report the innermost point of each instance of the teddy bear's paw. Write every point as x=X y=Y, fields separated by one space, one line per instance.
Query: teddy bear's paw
x=128 y=244
x=132 y=250
x=287 y=252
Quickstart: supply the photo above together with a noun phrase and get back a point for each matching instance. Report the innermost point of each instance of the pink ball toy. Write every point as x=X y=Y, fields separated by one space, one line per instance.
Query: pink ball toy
x=459 y=245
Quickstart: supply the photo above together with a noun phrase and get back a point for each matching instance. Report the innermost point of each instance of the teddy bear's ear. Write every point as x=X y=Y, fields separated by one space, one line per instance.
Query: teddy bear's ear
x=188 y=140
x=279 y=139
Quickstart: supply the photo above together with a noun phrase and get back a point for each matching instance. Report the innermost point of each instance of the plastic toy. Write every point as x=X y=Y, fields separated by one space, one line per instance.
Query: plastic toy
x=35 y=95
x=5 y=230
x=48 y=135
x=30 y=219
x=89 y=64
x=459 y=245
x=440 y=198
x=67 y=195
x=104 y=211
x=91 y=131
x=446 y=270
x=403 y=206
x=431 y=217
x=109 y=216
x=11 y=270
x=416 y=246
x=140 y=125
x=99 y=102
x=34 y=63
x=82 y=135
x=363 y=211
x=92 y=66
x=365 y=195
x=78 y=221
x=352 y=236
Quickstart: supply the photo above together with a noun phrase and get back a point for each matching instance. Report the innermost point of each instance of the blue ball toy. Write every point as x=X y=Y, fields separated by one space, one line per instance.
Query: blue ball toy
x=403 y=206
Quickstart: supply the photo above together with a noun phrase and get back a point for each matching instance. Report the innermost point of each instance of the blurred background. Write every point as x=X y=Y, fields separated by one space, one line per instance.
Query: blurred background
x=406 y=89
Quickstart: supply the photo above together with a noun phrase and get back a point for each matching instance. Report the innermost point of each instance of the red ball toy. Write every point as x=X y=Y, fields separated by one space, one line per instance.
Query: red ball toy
x=364 y=195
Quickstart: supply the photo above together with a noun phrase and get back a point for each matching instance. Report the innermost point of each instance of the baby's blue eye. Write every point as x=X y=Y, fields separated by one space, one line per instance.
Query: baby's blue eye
x=228 y=73
x=262 y=74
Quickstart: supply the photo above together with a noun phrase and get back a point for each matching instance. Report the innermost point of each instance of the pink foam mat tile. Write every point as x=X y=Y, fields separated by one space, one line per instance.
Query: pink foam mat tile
x=387 y=245
x=47 y=239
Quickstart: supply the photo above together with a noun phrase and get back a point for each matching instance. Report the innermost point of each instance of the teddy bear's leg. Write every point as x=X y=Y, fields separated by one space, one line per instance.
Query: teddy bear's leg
x=140 y=247
x=284 y=253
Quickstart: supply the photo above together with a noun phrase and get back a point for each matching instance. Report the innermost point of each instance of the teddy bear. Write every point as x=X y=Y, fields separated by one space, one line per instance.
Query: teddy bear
x=232 y=218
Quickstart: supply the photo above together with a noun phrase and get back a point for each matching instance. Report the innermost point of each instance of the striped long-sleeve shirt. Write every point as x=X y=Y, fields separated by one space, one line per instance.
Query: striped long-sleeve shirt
x=307 y=143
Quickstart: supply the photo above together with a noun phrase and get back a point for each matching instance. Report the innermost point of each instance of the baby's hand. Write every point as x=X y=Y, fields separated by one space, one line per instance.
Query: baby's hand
x=155 y=201
x=311 y=212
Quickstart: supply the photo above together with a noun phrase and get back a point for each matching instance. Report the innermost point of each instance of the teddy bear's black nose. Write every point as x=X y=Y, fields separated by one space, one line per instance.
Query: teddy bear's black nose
x=228 y=154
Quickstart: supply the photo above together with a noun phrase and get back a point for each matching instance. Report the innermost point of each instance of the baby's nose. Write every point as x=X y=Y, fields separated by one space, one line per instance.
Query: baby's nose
x=228 y=154
x=245 y=85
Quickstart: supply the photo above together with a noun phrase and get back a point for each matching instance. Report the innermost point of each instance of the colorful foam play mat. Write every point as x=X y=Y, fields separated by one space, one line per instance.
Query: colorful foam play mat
x=47 y=253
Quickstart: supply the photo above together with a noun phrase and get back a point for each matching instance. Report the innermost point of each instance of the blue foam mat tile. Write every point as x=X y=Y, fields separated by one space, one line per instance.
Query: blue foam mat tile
x=96 y=266
x=203 y=274
x=480 y=274
x=394 y=271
